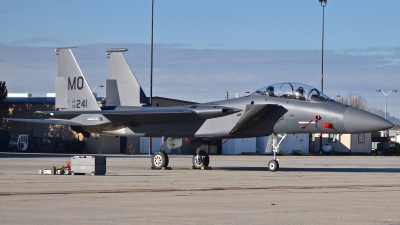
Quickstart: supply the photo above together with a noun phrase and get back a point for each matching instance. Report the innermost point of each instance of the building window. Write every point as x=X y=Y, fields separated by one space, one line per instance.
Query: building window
x=361 y=138
x=332 y=138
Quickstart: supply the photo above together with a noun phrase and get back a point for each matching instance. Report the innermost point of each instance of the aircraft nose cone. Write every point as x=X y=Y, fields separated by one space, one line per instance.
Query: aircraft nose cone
x=359 y=121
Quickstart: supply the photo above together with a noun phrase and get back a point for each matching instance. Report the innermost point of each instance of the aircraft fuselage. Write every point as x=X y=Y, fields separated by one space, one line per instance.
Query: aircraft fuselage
x=285 y=116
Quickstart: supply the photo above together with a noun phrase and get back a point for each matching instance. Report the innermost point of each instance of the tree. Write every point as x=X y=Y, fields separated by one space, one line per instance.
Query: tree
x=355 y=100
x=3 y=94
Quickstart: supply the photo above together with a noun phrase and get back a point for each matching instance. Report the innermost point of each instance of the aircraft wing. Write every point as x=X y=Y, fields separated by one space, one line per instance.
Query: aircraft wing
x=46 y=121
x=251 y=116
x=133 y=115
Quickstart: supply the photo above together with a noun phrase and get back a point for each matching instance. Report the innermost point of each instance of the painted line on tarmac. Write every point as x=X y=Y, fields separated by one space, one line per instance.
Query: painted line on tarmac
x=119 y=191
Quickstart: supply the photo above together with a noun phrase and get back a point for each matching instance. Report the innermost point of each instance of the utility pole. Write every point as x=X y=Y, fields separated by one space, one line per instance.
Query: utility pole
x=323 y=4
x=151 y=68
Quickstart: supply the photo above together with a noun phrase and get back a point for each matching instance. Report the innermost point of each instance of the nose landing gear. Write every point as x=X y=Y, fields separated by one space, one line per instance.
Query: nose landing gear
x=273 y=165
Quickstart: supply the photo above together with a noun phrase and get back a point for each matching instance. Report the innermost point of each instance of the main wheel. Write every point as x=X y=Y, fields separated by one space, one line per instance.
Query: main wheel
x=159 y=160
x=203 y=160
x=273 y=165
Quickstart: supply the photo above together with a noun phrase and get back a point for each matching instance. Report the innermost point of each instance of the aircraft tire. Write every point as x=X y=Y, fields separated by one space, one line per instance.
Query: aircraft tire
x=205 y=160
x=159 y=160
x=273 y=165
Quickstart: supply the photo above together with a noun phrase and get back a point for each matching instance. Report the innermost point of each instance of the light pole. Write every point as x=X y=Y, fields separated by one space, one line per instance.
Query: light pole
x=151 y=69
x=151 y=53
x=386 y=132
x=245 y=92
x=323 y=4
x=97 y=87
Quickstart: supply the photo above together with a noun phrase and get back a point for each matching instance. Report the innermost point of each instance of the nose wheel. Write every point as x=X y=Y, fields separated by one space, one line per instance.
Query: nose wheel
x=273 y=165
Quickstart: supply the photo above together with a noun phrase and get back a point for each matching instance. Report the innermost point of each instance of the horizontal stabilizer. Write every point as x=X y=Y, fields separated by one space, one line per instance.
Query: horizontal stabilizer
x=251 y=116
x=205 y=112
x=46 y=121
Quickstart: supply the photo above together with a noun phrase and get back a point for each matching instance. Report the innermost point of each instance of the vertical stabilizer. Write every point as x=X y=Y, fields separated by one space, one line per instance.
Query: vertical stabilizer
x=72 y=90
x=129 y=91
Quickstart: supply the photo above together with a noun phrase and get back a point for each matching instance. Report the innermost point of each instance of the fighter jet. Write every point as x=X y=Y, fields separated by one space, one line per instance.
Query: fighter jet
x=273 y=109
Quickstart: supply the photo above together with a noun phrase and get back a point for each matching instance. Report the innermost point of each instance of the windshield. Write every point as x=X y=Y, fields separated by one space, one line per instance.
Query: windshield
x=293 y=91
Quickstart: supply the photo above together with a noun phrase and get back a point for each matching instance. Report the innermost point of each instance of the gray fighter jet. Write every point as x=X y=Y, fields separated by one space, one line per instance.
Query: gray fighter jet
x=274 y=109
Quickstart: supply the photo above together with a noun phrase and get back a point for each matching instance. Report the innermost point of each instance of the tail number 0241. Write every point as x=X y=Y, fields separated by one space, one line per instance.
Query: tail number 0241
x=80 y=103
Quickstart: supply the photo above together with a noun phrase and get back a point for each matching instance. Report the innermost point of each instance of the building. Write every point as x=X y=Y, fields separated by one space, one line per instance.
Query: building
x=344 y=143
x=44 y=137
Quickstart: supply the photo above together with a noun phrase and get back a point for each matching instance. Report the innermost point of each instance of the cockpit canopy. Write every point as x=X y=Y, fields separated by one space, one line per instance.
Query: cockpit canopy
x=293 y=91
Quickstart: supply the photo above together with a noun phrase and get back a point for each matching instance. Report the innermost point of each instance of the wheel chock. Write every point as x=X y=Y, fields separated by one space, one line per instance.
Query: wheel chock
x=202 y=168
x=162 y=168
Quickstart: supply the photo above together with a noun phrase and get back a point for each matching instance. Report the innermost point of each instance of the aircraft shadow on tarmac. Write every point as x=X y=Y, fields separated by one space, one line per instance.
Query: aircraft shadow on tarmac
x=32 y=155
x=281 y=169
x=51 y=155
x=339 y=170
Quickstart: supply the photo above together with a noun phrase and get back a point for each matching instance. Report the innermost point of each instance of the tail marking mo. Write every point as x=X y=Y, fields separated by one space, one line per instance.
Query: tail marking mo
x=76 y=83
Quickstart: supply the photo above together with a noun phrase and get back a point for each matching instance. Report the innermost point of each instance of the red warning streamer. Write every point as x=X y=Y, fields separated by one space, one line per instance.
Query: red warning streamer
x=327 y=125
x=317 y=117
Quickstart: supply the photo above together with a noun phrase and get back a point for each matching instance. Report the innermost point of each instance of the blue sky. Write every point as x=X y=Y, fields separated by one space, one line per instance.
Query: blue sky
x=204 y=48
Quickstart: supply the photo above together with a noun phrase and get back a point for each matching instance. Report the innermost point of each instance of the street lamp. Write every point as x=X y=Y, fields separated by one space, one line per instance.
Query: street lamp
x=338 y=96
x=96 y=87
x=245 y=92
x=386 y=104
x=323 y=4
x=151 y=69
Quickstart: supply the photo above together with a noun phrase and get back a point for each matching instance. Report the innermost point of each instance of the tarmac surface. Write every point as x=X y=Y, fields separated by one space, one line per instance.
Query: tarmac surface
x=238 y=190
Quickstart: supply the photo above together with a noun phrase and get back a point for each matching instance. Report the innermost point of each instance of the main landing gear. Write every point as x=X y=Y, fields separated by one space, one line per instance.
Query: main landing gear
x=160 y=159
x=273 y=165
x=200 y=159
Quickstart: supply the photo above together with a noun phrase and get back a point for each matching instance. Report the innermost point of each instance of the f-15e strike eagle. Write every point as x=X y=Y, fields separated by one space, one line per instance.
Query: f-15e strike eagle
x=274 y=109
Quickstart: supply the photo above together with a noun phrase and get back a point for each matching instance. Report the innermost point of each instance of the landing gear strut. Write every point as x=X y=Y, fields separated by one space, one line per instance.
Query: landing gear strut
x=273 y=165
